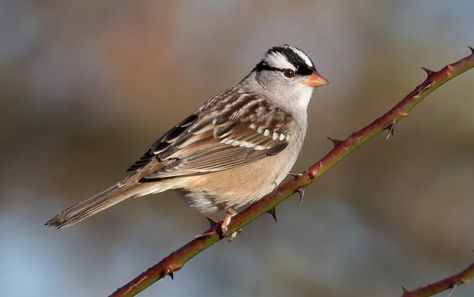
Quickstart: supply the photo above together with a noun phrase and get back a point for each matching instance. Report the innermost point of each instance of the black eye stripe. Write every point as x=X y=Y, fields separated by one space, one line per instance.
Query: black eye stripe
x=299 y=70
x=305 y=70
x=263 y=66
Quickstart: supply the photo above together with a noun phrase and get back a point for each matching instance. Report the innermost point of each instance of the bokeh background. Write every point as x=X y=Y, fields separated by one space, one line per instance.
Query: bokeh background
x=87 y=86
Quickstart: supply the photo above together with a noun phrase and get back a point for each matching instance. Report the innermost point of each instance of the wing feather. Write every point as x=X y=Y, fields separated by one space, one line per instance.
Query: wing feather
x=241 y=128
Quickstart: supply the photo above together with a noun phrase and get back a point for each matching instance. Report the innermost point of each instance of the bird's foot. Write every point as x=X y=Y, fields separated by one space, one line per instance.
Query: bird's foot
x=221 y=227
x=231 y=212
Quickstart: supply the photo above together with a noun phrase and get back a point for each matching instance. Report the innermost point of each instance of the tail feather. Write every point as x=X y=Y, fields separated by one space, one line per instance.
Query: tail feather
x=95 y=204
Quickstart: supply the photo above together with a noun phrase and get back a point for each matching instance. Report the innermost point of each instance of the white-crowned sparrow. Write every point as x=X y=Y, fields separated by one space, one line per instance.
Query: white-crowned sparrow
x=231 y=151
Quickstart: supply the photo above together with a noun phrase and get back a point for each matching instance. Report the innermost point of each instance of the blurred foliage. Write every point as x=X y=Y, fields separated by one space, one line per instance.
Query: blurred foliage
x=86 y=87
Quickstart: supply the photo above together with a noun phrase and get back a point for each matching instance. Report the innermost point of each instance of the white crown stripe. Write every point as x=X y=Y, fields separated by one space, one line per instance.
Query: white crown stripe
x=278 y=60
x=303 y=56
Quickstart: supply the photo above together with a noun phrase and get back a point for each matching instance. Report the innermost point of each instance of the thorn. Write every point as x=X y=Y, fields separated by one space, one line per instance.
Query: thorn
x=453 y=288
x=301 y=194
x=472 y=50
x=295 y=175
x=212 y=228
x=206 y=234
x=465 y=281
x=403 y=114
x=391 y=130
x=429 y=72
x=334 y=141
x=449 y=68
x=404 y=290
x=312 y=171
x=212 y=223
x=273 y=213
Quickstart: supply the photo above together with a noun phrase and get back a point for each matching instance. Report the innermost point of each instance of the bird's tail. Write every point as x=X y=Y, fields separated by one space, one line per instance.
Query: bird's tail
x=105 y=199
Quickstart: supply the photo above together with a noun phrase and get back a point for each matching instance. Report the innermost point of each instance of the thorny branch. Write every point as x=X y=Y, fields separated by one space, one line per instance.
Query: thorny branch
x=267 y=204
x=463 y=277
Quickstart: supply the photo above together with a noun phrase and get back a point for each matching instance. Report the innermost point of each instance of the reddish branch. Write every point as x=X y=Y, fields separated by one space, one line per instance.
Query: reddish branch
x=267 y=204
x=461 y=278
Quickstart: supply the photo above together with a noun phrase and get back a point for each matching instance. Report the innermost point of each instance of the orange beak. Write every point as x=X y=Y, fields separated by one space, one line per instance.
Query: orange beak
x=315 y=80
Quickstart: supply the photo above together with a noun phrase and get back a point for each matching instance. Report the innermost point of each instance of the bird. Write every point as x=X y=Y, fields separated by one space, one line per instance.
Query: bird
x=233 y=150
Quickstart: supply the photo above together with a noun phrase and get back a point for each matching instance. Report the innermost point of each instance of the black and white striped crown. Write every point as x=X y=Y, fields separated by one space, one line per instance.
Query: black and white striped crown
x=286 y=57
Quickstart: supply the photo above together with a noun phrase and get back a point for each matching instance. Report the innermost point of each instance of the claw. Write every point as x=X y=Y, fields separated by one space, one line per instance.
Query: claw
x=472 y=50
x=404 y=290
x=301 y=194
x=171 y=274
x=273 y=213
x=233 y=235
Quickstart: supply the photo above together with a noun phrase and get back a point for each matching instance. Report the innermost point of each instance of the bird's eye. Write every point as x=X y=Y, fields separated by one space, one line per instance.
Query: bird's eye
x=289 y=73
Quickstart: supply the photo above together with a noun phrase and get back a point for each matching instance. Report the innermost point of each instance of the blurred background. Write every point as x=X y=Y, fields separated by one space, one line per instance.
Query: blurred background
x=87 y=86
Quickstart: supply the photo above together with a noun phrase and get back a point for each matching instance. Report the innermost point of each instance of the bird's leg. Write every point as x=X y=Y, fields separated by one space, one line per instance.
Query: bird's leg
x=231 y=212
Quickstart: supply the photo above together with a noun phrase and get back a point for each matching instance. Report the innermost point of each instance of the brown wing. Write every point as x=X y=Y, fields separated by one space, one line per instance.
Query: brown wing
x=221 y=134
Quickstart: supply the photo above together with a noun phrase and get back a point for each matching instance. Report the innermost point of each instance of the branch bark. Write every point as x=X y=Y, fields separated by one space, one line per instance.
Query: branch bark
x=463 y=277
x=267 y=204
